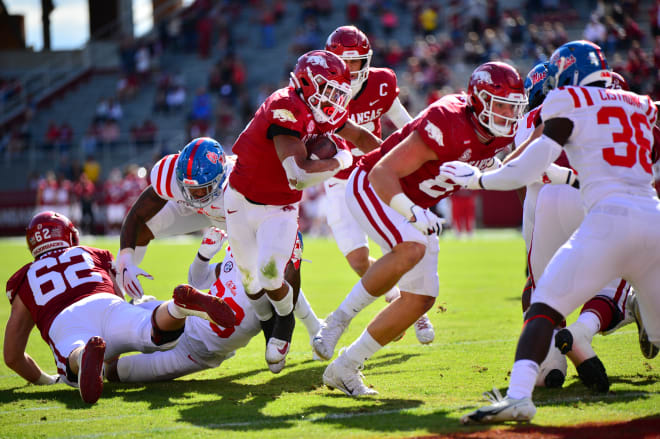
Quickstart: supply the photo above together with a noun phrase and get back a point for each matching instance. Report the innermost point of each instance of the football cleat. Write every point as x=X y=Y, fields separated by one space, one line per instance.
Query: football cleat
x=574 y=341
x=332 y=328
x=193 y=302
x=649 y=350
x=345 y=378
x=276 y=351
x=424 y=330
x=90 y=374
x=277 y=367
x=501 y=410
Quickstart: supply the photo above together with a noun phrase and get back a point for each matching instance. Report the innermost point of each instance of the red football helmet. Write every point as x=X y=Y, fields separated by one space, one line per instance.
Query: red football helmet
x=619 y=82
x=50 y=230
x=324 y=82
x=496 y=91
x=350 y=43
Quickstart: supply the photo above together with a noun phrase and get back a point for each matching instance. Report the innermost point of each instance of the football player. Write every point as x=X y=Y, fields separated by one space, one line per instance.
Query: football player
x=551 y=213
x=390 y=193
x=265 y=186
x=69 y=293
x=607 y=135
x=374 y=94
x=185 y=195
x=204 y=345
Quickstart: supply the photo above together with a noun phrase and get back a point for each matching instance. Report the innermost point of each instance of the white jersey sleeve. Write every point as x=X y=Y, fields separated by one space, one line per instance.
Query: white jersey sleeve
x=611 y=141
x=163 y=178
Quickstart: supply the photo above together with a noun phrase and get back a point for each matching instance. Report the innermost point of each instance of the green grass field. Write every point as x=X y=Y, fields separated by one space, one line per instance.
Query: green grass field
x=423 y=389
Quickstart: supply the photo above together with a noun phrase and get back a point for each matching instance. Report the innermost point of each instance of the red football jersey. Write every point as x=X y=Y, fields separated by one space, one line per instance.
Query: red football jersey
x=60 y=278
x=258 y=173
x=446 y=128
x=368 y=106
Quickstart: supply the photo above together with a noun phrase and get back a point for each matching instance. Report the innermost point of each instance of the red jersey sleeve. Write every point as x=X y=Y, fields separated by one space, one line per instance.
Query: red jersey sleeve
x=15 y=281
x=285 y=113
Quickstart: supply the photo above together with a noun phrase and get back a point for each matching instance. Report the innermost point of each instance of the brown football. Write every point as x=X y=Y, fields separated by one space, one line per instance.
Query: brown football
x=320 y=147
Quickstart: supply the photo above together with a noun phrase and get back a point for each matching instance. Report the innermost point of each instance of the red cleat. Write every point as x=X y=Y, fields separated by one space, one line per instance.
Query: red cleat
x=90 y=378
x=193 y=302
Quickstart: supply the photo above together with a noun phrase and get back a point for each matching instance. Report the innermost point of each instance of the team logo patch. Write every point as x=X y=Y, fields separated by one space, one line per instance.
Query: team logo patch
x=434 y=133
x=212 y=157
x=189 y=181
x=317 y=61
x=557 y=61
x=483 y=77
x=466 y=155
x=229 y=266
x=284 y=115
x=537 y=77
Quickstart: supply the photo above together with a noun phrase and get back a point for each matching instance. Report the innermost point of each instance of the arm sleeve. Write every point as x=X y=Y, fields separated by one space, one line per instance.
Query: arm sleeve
x=398 y=114
x=201 y=274
x=526 y=168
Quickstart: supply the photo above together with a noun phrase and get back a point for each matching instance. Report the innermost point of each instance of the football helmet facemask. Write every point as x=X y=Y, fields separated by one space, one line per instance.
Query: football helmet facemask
x=50 y=230
x=578 y=62
x=324 y=83
x=201 y=171
x=350 y=43
x=497 y=96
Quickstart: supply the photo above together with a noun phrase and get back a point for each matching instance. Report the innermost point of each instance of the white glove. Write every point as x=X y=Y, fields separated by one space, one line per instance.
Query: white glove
x=47 y=380
x=461 y=173
x=127 y=274
x=345 y=158
x=212 y=242
x=426 y=221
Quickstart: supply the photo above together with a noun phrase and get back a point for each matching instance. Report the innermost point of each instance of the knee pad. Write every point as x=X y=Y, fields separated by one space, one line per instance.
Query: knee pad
x=606 y=310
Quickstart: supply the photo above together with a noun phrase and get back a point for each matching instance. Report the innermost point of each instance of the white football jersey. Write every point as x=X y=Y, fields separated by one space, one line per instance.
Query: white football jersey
x=222 y=341
x=163 y=180
x=525 y=127
x=610 y=145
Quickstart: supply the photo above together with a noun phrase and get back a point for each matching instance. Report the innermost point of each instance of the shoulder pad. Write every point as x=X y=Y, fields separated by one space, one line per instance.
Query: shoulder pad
x=163 y=176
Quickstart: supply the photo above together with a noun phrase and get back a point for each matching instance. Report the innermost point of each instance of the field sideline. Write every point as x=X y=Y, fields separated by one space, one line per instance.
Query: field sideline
x=423 y=389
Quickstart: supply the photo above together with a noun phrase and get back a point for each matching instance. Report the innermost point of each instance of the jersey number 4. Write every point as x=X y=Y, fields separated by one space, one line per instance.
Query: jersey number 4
x=637 y=146
x=75 y=274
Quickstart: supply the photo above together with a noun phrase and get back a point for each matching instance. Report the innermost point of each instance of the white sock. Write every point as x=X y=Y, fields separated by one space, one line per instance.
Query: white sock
x=357 y=300
x=590 y=321
x=175 y=310
x=304 y=312
x=392 y=294
x=262 y=307
x=284 y=306
x=361 y=350
x=523 y=378
x=138 y=254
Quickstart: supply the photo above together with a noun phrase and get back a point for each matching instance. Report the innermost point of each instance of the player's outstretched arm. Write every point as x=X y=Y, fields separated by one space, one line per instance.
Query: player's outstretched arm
x=17 y=332
x=201 y=274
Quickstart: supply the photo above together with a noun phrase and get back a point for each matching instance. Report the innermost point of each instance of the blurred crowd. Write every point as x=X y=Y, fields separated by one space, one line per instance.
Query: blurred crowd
x=446 y=41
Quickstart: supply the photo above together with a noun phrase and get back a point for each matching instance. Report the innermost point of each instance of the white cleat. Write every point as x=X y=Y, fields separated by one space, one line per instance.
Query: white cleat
x=424 y=330
x=326 y=339
x=277 y=367
x=347 y=379
x=276 y=351
x=501 y=410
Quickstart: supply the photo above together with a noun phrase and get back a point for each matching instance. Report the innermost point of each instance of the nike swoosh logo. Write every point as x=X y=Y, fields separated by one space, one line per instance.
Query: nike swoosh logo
x=213 y=207
x=333 y=184
x=231 y=211
x=284 y=349
x=373 y=102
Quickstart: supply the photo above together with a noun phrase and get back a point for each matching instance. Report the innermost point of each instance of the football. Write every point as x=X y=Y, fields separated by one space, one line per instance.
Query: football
x=320 y=147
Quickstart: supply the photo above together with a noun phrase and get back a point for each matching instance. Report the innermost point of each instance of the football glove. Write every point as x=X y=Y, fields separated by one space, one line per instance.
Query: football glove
x=212 y=242
x=127 y=274
x=426 y=221
x=462 y=174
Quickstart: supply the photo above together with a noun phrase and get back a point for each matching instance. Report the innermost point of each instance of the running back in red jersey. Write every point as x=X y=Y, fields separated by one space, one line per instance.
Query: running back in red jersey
x=320 y=147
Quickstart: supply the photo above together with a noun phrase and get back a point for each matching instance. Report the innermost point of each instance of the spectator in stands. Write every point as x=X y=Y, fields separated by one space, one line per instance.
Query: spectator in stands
x=63 y=194
x=115 y=111
x=102 y=110
x=65 y=138
x=204 y=33
x=84 y=191
x=47 y=193
x=428 y=19
x=143 y=63
x=463 y=208
x=654 y=15
x=267 y=23
x=176 y=97
x=595 y=31
x=113 y=194
x=52 y=136
x=109 y=134
x=92 y=169
x=127 y=87
x=90 y=140
x=390 y=22
x=202 y=106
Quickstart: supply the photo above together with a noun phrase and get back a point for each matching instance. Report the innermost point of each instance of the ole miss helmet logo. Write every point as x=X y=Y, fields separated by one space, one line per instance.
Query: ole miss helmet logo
x=213 y=157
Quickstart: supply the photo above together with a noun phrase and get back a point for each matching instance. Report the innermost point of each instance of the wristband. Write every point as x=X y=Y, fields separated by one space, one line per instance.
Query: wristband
x=402 y=204
x=202 y=258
